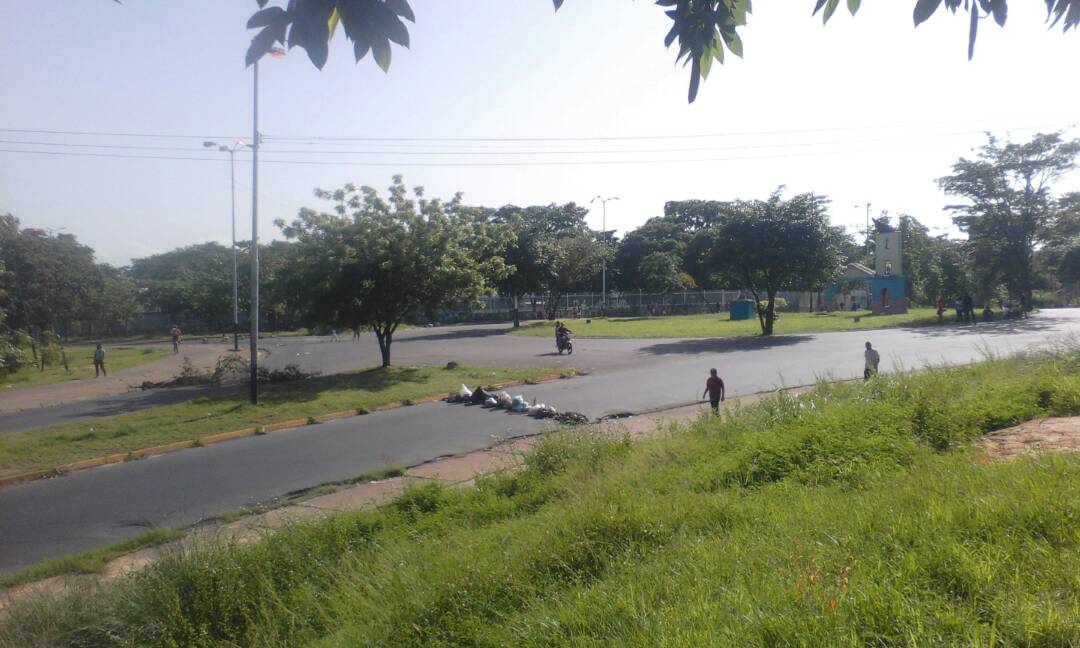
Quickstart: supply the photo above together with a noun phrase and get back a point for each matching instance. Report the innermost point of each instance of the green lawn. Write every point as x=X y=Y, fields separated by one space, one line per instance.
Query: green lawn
x=49 y=447
x=682 y=326
x=81 y=362
x=854 y=515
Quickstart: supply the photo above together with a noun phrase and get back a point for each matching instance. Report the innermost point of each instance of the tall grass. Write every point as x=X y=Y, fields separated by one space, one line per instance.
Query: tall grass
x=857 y=514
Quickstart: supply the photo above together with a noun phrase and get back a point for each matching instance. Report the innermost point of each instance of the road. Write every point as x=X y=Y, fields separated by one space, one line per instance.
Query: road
x=97 y=507
x=467 y=344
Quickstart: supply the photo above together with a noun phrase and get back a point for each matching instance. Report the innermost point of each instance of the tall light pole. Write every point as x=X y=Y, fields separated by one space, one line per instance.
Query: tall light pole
x=231 y=150
x=603 y=228
x=255 y=141
x=255 y=237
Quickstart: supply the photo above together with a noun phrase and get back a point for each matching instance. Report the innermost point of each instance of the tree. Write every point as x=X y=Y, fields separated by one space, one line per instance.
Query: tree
x=569 y=261
x=115 y=298
x=660 y=273
x=772 y=245
x=52 y=277
x=195 y=281
x=1061 y=252
x=658 y=235
x=704 y=29
x=390 y=259
x=532 y=248
x=1010 y=205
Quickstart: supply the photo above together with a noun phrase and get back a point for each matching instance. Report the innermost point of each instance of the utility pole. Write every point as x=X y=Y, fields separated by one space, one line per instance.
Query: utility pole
x=603 y=228
x=255 y=238
x=231 y=150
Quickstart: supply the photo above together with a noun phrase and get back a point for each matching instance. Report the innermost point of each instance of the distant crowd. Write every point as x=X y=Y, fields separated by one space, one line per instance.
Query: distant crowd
x=964 y=306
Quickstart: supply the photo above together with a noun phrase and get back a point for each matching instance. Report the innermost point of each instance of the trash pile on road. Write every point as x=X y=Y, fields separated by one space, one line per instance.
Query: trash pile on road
x=503 y=400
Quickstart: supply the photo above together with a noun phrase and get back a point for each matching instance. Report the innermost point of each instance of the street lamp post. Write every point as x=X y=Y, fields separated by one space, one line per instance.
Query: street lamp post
x=603 y=228
x=231 y=150
x=255 y=237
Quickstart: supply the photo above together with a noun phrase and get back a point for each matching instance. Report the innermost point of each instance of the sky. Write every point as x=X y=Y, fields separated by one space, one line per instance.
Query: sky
x=544 y=106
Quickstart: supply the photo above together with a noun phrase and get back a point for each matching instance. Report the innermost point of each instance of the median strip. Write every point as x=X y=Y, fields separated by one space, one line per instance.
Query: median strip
x=219 y=437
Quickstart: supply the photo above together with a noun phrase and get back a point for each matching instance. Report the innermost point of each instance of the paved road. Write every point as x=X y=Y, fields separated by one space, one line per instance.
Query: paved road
x=469 y=344
x=96 y=507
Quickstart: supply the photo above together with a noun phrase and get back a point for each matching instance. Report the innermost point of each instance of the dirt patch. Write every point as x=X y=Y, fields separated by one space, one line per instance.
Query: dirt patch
x=1035 y=436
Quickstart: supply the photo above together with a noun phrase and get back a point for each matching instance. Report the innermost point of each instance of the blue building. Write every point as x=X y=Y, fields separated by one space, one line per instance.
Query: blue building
x=886 y=283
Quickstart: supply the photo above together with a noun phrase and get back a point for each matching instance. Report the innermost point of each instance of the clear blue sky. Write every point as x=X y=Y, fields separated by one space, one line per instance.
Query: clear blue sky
x=493 y=68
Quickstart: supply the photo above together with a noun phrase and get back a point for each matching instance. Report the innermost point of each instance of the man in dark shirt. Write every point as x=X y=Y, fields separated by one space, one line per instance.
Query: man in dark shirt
x=714 y=387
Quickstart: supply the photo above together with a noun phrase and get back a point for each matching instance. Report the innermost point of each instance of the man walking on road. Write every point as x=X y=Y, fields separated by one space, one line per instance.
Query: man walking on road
x=99 y=362
x=873 y=358
x=714 y=387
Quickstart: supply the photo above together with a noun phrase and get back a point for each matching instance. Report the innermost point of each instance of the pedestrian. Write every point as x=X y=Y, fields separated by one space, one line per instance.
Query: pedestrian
x=714 y=387
x=959 y=305
x=99 y=361
x=873 y=358
x=175 y=334
x=969 y=309
x=333 y=335
x=940 y=309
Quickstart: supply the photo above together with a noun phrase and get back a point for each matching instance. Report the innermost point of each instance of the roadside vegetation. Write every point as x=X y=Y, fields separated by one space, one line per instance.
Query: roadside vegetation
x=360 y=391
x=80 y=360
x=856 y=514
x=90 y=562
x=719 y=325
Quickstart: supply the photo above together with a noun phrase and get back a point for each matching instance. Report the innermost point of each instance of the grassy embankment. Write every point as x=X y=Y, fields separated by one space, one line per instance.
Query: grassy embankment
x=90 y=562
x=44 y=448
x=857 y=514
x=718 y=325
x=81 y=362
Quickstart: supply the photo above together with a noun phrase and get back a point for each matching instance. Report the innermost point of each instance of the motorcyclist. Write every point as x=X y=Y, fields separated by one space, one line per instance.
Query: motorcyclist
x=561 y=332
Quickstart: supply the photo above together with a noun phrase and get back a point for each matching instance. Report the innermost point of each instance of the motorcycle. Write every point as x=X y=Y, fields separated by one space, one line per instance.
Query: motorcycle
x=563 y=343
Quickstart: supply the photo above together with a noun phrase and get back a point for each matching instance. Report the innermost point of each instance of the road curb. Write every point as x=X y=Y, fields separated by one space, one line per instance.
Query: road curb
x=219 y=437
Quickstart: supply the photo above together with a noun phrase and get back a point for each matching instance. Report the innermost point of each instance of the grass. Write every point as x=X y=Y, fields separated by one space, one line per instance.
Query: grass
x=45 y=448
x=89 y=562
x=81 y=362
x=684 y=326
x=854 y=515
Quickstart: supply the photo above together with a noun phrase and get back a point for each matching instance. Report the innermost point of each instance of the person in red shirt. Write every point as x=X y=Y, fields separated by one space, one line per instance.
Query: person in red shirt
x=714 y=387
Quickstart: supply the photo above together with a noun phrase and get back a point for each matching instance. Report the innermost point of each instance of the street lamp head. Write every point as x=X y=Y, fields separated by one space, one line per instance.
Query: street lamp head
x=210 y=144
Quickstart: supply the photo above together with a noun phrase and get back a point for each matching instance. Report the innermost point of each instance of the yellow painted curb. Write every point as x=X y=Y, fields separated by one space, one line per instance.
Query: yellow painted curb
x=141 y=453
x=281 y=425
x=228 y=436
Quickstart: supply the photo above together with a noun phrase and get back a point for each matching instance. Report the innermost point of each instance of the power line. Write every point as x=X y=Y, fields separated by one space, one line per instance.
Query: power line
x=319 y=138
x=648 y=137
x=114 y=134
x=526 y=163
x=734 y=147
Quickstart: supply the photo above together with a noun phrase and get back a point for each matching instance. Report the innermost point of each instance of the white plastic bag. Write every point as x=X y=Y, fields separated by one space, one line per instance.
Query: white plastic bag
x=491 y=402
x=464 y=393
x=518 y=404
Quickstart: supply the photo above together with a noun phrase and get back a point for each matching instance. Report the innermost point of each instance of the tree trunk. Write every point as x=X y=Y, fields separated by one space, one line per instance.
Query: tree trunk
x=517 y=316
x=385 y=335
x=770 y=314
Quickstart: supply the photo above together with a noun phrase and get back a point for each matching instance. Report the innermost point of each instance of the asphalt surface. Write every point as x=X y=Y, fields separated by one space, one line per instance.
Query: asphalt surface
x=467 y=344
x=94 y=508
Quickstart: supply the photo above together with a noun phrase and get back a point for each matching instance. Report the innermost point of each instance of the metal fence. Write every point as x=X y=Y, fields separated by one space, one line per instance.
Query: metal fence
x=500 y=308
